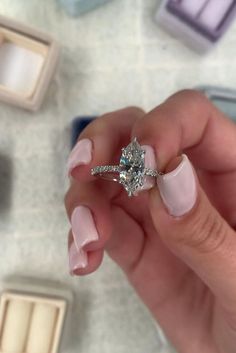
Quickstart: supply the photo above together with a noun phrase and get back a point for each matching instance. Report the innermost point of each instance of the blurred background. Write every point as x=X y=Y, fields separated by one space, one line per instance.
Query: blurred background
x=112 y=57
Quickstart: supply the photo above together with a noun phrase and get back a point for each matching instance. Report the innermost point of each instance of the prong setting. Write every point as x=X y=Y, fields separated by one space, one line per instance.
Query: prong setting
x=132 y=167
x=130 y=172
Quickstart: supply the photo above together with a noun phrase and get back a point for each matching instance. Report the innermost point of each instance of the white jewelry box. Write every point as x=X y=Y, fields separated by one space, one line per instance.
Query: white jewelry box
x=28 y=59
x=34 y=316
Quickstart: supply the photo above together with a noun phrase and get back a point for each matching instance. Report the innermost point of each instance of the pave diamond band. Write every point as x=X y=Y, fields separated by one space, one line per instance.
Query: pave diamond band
x=103 y=169
x=131 y=171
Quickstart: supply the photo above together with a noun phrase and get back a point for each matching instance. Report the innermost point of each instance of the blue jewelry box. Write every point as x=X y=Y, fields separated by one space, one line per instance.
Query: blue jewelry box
x=77 y=126
x=223 y=98
x=79 y=7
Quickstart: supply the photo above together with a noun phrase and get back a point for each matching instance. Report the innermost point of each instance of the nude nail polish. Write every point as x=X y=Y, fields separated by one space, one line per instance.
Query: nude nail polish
x=80 y=155
x=178 y=188
x=77 y=259
x=83 y=227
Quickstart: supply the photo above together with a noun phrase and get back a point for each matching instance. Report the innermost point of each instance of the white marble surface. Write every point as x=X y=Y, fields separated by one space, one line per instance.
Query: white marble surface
x=110 y=58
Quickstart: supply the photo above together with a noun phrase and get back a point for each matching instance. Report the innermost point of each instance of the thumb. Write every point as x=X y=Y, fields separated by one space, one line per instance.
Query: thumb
x=193 y=229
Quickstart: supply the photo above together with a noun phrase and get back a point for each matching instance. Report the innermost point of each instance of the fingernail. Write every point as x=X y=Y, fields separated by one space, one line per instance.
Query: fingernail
x=83 y=227
x=77 y=259
x=178 y=188
x=150 y=162
x=81 y=154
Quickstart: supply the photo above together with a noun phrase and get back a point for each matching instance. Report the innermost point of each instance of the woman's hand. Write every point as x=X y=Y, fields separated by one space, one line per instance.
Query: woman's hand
x=176 y=242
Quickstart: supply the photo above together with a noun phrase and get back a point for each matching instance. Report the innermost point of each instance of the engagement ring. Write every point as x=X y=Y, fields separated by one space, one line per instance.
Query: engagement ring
x=131 y=171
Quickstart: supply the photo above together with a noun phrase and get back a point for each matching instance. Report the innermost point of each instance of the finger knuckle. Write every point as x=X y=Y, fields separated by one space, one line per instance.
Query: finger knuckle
x=190 y=95
x=96 y=126
x=136 y=110
x=206 y=233
x=130 y=110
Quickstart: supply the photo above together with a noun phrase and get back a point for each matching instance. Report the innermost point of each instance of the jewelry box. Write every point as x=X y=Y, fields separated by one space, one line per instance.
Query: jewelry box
x=34 y=316
x=199 y=23
x=28 y=59
x=80 y=7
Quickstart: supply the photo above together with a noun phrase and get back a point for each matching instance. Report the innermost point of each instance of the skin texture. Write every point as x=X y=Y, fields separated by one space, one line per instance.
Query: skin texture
x=184 y=269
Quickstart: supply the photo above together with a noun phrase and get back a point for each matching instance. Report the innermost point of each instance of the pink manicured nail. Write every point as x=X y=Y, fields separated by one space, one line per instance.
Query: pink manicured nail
x=83 y=227
x=77 y=259
x=178 y=188
x=150 y=162
x=81 y=154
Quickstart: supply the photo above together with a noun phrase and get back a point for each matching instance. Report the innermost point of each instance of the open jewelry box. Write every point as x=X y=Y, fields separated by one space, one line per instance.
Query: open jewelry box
x=199 y=23
x=27 y=61
x=33 y=316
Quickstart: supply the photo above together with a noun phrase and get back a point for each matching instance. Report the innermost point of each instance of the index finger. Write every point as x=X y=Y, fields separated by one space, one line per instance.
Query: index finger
x=189 y=122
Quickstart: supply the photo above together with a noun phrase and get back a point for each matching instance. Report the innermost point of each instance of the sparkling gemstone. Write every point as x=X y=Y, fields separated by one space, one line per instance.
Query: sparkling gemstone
x=132 y=167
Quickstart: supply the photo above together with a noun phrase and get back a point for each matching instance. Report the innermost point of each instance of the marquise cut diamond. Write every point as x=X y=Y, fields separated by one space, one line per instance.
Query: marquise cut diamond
x=132 y=167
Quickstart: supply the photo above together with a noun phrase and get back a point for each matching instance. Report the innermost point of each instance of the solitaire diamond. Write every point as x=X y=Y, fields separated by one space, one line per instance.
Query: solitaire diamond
x=131 y=172
x=132 y=167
